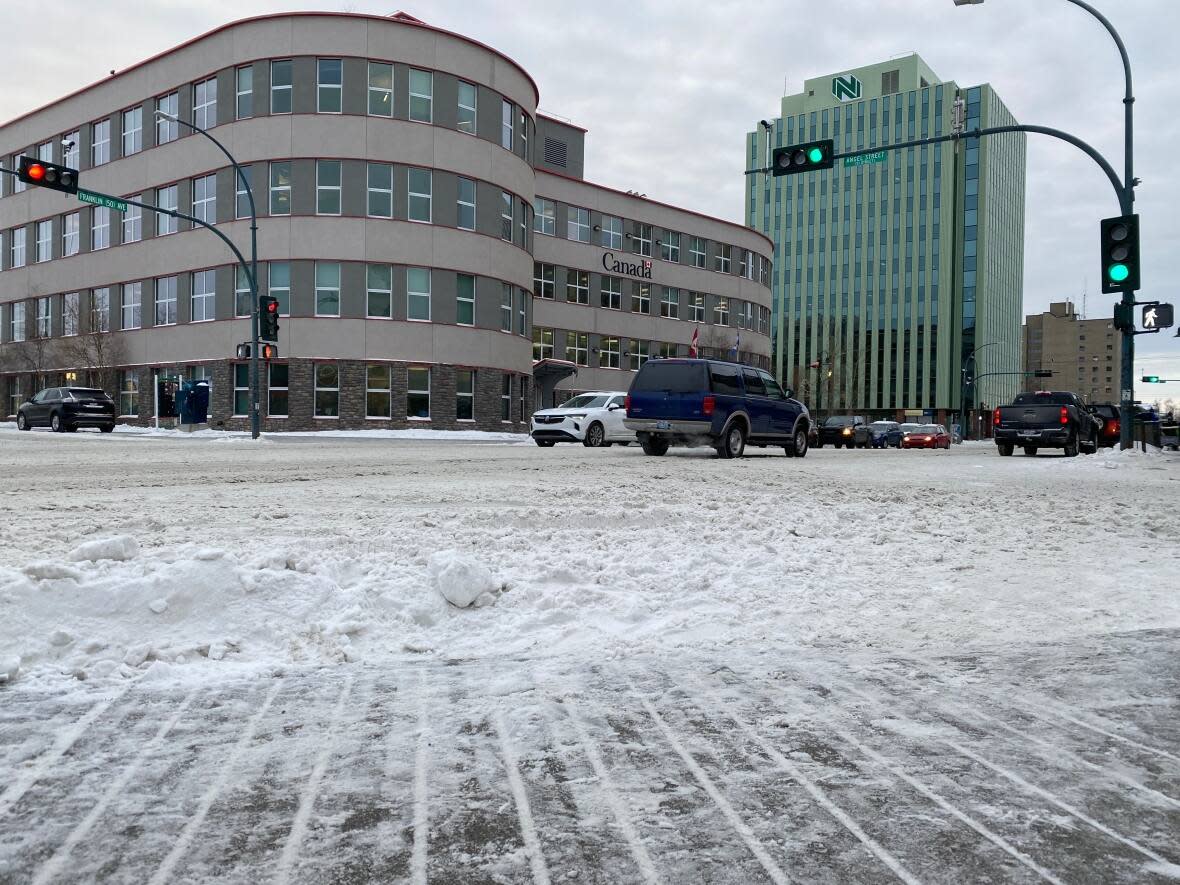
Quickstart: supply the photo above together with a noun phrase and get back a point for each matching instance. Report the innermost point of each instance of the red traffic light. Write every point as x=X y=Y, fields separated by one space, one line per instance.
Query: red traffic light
x=272 y=306
x=48 y=175
x=269 y=351
x=36 y=172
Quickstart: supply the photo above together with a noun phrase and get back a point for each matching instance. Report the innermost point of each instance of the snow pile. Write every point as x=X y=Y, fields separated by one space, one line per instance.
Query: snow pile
x=9 y=668
x=120 y=549
x=460 y=579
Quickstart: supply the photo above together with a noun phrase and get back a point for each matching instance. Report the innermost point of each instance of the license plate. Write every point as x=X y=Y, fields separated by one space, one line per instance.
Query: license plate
x=1030 y=433
x=663 y=425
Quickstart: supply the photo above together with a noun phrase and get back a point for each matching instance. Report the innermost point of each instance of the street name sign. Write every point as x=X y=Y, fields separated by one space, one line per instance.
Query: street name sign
x=102 y=200
x=865 y=159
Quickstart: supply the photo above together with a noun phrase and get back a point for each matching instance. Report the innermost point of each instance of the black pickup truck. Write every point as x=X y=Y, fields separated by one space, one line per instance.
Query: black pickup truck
x=1046 y=420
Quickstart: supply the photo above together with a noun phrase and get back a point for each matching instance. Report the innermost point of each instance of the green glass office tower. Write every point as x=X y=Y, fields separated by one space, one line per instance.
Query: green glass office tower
x=893 y=270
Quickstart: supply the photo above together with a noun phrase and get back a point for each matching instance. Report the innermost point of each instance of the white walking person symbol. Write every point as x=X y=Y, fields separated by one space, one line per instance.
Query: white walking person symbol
x=1149 y=318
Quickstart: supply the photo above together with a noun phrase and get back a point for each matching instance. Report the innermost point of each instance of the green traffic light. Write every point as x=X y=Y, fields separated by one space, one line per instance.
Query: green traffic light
x=1118 y=272
x=815 y=155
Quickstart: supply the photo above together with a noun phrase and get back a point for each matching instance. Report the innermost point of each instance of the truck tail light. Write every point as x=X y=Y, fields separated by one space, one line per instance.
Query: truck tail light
x=1112 y=428
x=996 y=418
x=627 y=404
x=1064 y=415
x=707 y=406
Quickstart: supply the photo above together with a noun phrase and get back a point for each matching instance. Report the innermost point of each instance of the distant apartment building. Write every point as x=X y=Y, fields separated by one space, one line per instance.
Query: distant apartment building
x=1083 y=355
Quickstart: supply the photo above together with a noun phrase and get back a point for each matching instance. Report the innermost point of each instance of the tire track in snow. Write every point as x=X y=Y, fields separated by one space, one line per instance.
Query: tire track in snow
x=421 y=784
x=54 y=865
x=66 y=739
x=299 y=827
x=528 y=829
x=730 y=813
x=185 y=839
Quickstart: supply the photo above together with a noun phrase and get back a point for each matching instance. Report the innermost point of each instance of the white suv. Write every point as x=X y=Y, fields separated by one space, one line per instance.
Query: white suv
x=593 y=419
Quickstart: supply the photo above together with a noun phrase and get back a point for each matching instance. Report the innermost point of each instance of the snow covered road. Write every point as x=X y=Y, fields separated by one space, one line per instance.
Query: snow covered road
x=860 y=667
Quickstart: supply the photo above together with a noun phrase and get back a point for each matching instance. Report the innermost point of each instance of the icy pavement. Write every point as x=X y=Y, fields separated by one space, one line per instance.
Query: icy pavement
x=236 y=663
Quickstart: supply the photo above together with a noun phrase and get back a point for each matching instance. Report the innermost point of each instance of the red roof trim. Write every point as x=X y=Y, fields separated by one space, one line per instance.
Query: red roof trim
x=658 y=203
x=560 y=121
x=395 y=19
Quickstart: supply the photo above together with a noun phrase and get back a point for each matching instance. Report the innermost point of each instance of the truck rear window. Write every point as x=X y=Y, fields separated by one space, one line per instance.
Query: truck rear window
x=671 y=377
x=1043 y=399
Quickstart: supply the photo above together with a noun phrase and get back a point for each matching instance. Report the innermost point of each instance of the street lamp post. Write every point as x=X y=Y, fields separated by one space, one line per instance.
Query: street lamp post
x=963 y=376
x=255 y=384
x=1126 y=205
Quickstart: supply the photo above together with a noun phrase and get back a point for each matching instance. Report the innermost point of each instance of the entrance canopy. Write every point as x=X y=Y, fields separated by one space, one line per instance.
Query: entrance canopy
x=547 y=374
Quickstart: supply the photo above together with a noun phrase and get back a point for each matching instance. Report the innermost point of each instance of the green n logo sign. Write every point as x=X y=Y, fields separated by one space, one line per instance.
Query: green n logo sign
x=846 y=88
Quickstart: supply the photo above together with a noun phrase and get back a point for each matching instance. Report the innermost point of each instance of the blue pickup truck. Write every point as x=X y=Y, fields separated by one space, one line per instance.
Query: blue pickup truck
x=725 y=405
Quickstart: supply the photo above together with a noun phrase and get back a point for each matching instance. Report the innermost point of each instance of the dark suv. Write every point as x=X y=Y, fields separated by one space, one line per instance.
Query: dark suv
x=850 y=431
x=68 y=408
x=709 y=402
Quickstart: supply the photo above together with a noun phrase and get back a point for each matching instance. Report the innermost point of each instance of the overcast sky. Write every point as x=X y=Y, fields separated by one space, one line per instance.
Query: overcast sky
x=669 y=89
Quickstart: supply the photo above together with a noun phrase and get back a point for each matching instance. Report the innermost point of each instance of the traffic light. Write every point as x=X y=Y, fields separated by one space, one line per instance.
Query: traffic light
x=1120 y=254
x=1157 y=316
x=1151 y=379
x=268 y=318
x=268 y=351
x=50 y=175
x=803 y=157
x=1043 y=373
x=243 y=351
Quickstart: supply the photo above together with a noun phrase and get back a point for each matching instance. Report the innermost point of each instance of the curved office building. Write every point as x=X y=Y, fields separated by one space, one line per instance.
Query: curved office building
x=428 y=235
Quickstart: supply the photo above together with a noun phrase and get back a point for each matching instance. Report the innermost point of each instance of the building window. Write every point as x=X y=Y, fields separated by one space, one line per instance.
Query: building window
x=577 y=287
x=576 y=348
x=419 y=185
x=608 y=353
x=544 y=216
x=465 y=299
x=465 y=205
x=380 y=183
x=542 y=343
x=100 y=143
x=18 y=186
x=522 y=323
x=641 y=242
x=133 y=222
x=721 y=312
x=746 y=267
x=45 y=152
x=15 y=398
x=132 y=131
x=100 y=228
x=128 y=393
x=421 y=96
x=543 y=280
x=697 y=250
x=505 y=307
x=280 y=188
x=670 y=303
x=327 y=187
x=243 y=302
x=327 y=390
x=721 y=260
x=205 y=198
x=670 y=246
x=506 y=120
x=279 y=273
x=667 y=351
x=418 y=293
x=578 y=224
x=70 y=307
x=242 y=192
x=277 y=388
x=69 y=233
x=167 y=129
x=241 y=389
x=641 y=298
x=16 y=320
x=468 y=97
x=166 y=301
x=639 y=354
x=506 y=398
x=418 y=393
x=465 y=395
x=71 y=152
x=380 y=89
x=379 y=291
x=44 y=325
x=612 y=293
x=612 y=232
x=329 y=85
x=280 y=87
x=506 y=216
x=100 y=310
x=18 y=237
x=44 y=240
x=132 y=300
x=245 y=97
x=204 y=296
x=166 y=199
x=523 y=387
x=327 y=288
x=378 y=398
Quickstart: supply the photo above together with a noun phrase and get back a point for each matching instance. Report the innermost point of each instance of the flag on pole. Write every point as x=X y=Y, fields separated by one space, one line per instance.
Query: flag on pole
x=692 y=346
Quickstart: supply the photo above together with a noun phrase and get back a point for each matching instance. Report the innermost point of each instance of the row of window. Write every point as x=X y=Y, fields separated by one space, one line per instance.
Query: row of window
x=202 y=300
x=418 y=105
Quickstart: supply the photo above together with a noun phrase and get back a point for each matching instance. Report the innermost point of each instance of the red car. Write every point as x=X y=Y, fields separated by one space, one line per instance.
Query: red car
x=928 y=436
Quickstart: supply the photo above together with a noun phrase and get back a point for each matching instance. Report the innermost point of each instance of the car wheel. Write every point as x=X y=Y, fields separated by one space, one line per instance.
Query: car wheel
x=543 y=443
x=1005 y=449
x=55 y=423
x=1071 y=446
x=110 y=428
x=595 y=436
x=22 y=423
x=734 y=442
x=653 y=445
x=1030 y=450
x=798 y=448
